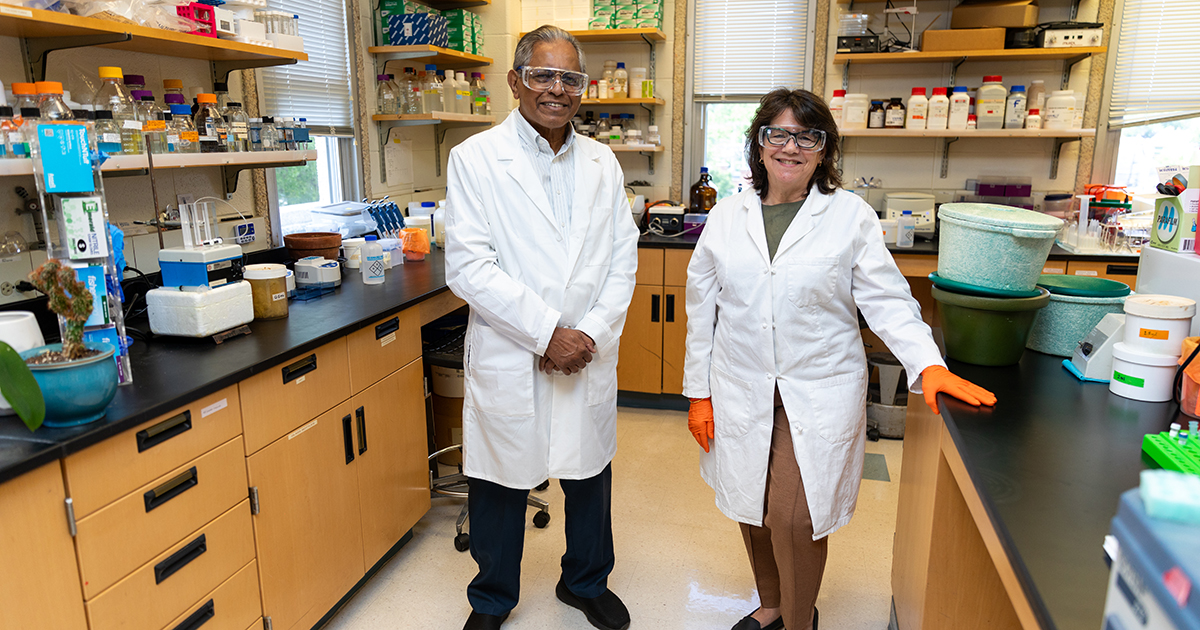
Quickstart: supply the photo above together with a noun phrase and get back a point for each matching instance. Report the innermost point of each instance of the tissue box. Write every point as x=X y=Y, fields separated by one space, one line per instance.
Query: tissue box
x=417 y=29
x=200 y=313
x=1175 y=222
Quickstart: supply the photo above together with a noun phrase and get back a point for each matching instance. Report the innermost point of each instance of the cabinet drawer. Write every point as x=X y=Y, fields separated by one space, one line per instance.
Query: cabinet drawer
x=98 y=475
x=383 y=347
x=1121 y=272
x=120 y=537
x=915 y=265
x=288 y=395
x=234 y=605
x=675 y=267
x=650 y=265
x=165 y=586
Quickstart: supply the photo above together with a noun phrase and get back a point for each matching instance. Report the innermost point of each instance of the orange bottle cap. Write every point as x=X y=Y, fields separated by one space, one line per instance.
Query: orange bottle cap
x=206 y=98
x=24 y=89
x=172 y=84
x=48 y=87
x=111 y=72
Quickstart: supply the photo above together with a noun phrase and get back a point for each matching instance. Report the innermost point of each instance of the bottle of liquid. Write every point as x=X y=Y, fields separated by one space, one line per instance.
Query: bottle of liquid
x=593 y=90
x=256 y=134
x=304 y=141
x=285 y=128
x=619 y=88
x=939 y=109
x=989 y=103
x=385 y=96
x=149 y=114
x=413 y=99
x=419 y=86
x=1060 y=110
x=893 y=116
x=222 y=92
x=27 y=133
x=397 y=85
x=616 y=135
x=115 y=97
x=210 y=125
x=25 y=95
x=837 y=105
x=603 y=128
x=171 y=138
x=1014 y=108
x=610 y=68
x=654 y=138
x=1033 y=120
x=7 y=126
x=108 y=134
x=703 y=196
x=432 y=91
x=918 y=109
x=1036 y=96
x=602 y=90
x=875 y=118
x=960 y=108
x=182 y=126
x=450 y=93
x=173 y=86
x=372 y=267
x=269 y=135
x=462 y=93
x=479 y=95
x=239 y=128
x=906 y=229
x=628 y=123
x=854 y=115
x=52 y=106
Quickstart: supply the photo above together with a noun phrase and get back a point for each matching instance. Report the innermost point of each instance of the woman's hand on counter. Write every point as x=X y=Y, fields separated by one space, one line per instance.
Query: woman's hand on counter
x=700 y=421
x=936 y=379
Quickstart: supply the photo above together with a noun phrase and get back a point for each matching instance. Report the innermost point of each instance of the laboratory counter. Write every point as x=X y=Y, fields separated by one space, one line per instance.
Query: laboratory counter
x=1003 y=511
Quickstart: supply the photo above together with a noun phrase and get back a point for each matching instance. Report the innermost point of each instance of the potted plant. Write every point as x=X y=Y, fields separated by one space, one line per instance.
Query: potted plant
x=20 y=389
x=77 y=379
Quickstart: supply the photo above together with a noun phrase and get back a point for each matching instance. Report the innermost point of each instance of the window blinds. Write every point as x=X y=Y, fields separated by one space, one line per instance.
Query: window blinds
x=749 y=47
x=1156 y=76
x=317 y=89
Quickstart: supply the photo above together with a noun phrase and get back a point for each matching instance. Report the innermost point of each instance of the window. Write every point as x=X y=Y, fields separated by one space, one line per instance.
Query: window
x=317 y=89
x=332 y=178
x=1146 y=147
x=741 y=50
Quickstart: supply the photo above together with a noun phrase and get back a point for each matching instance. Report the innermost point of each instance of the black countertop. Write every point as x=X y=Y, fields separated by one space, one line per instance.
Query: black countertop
x=1050 y=462
x=169 y=372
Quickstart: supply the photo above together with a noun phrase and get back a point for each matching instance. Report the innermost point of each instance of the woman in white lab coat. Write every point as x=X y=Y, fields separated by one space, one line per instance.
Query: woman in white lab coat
x=774 y=287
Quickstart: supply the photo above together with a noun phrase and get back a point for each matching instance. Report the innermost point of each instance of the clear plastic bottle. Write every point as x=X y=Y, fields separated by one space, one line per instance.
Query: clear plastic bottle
x=419 y=102
x=918 y=110
x=463 y=100
x=372 y=266
x=989 y=103
x=619 y=87
x=27 y=133
x=854 y=114
x=221 y=90
x=479 y=95
x=616 y=135
x=385 y=96
x=7 y=126
x=837 y=106
x=960 y=108
x=412 y=94
x=108 y=134
x=25 y=95
x=115 y=97
x=939 y=109
x=269 y=135
x=303 y=140
x=182 y=126
x=238 y=124
x=52 y=106
x=210 y=125
x=1036 y=96
x=170 y=136
x=134 y=82
x=1014 y=108
x=431 y=98
x=149 y=114
x=603 y=128
x=449 y=93
x=256 y=134
x=906 y=229
x=610 y=68
x=653 y=137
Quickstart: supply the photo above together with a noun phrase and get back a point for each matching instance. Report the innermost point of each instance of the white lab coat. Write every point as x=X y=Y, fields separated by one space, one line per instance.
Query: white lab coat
x=756 y=323
x=522 y=277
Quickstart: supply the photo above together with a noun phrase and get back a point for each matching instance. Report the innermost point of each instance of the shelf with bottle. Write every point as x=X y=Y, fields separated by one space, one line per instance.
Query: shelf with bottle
x=636 y=148
x=443 y=58
x=623 y=101
x=435 y=118
x=958 y=56
x=125 y=163
x=618 y=35
x=967 y=133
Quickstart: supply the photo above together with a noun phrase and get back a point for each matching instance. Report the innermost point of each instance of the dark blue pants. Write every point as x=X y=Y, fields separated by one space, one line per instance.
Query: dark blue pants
x=498 y=518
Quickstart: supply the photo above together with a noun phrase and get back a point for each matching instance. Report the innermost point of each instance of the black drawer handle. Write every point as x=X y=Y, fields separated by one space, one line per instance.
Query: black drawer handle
x=348 y=439
x=654 y=306
x=362 y=430
x=387 y=328
x=171 y=488
x=1122 y=270
x=670 y=308
x=180 y=559
x=299 y=368
x=198 y=618
x=153 y=436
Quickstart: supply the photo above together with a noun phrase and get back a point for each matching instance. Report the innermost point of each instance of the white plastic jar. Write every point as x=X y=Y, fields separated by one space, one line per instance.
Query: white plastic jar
x=890 y=227
x=836 y=105
x=1157 y=324
x=854 y=112
x=1140 y=375
x=989 y=103
x=1060 y=110
x=918 y=109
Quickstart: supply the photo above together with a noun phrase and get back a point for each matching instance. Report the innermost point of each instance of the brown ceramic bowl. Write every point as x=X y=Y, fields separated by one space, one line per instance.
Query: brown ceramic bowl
x=323 y=244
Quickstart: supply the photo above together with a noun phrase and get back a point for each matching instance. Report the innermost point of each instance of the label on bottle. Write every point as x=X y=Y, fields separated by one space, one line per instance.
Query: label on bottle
x=255 y=135
x=189 y=136
x=155 y=125
x=989 y=107
x=172 y=139
x=14 y=137
x=464 y=95
x=876 y=118
x=241 y=130
x=110 y=138
x=131 y=124
x=894 y=118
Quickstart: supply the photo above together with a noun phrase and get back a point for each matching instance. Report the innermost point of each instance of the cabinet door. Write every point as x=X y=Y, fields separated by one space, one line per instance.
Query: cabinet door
x=286 y=396
x=382 y=347
x=308 y=529
x=674 y=337
x=39 y=581
x=392 y=451
x=639 y=366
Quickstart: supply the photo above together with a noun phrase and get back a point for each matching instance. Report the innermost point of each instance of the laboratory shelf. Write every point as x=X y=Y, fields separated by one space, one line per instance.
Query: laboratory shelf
x=434 y=118
x=623 y=101
x=636 y=148
x=958 y=56
x=443 y=58
x=618 y=35
x=967 y=133
x=125 y=163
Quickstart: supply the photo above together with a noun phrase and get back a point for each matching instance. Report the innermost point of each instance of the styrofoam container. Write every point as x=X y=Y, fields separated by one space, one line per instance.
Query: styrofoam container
x=1066 y=320
x=1158 y=324
x=1140 y=375
x=993 y=246
x=200 y=313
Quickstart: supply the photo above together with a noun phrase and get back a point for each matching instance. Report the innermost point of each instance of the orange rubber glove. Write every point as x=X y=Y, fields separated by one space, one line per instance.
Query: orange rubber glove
x=936 y=379
x=700 y=421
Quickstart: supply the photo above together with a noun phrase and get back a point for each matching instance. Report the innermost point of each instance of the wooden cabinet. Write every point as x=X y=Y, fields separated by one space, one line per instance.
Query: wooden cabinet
x=652 y=343
x=639 y=366
x=383 y=346
x=234 y=605
x=1122 y=272
x=286 y=396
x=39 y=581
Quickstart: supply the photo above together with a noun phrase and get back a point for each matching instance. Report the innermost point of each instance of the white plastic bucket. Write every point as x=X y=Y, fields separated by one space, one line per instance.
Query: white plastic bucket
x=890 y=227
x=1158 y=324
x=351 y=247
x=1141 y=375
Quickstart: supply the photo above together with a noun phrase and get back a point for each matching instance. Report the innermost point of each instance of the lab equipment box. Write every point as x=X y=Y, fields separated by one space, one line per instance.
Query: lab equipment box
x=417 y=29
x=995 y=14
x=1175 y=222
x=962 y=39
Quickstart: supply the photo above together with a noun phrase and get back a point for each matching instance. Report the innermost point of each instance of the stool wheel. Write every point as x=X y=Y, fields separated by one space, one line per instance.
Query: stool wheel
x=542 y=486
x=873 y=434
x=541 y=520
x=462 y=542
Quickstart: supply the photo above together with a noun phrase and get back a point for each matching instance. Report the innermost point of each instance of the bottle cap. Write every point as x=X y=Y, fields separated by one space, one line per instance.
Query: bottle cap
x=837 y=93
x=906 y=213
x=135 y=79
x=877 y=102
x=620 y=64
x=594 y=82
x=1018 y=88
x=895 y=100
x=24 y=89
x=234 y=104
x=408 y=70
x=138 y=94
x=206 y=98
x=703 y=170
x=653 y=128
x=383 y=77
x=149 y=98
x=174 y=99
x=180 y=109
x=31 y=112
x=427 y=204
x=939 y=91
x=110 y=72
x=48 y=87
x=172 y=84
x=476 y=75
x=429 y=67
x=920 y=91
x=5 y=111
x=960 y=88
x=1035 y=112
x=268 y=120
x=992 y=78
x=604 y=115
x=166 y=116
x=103 y=114
x=371 y=237
x=220 y=87
x=971 y=117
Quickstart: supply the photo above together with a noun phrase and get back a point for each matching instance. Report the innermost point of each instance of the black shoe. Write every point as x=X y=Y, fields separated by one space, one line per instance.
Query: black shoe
x=480 y=621
x=605 y=612
x=816 y=615
x=749 y=623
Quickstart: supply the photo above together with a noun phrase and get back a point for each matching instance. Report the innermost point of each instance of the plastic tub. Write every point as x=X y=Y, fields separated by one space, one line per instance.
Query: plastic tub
x=351 y=247
x=1141 y=375
x=890 y=226
x=993 y=246
x=1066 y=320
x=987 y=331
x=268 y=288
x=1057 y=205
x=1158 y=324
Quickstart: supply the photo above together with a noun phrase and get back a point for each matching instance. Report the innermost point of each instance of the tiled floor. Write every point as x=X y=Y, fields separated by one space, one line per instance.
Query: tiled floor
x=680 y=562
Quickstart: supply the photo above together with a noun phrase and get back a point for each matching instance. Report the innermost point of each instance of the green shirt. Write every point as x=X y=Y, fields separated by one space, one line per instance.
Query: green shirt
x=776 y=220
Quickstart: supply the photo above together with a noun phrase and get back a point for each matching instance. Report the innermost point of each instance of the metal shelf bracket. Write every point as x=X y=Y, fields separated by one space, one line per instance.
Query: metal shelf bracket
x=1067 y=65
x=846 y=76
x=954 y=72
x=221 y=69
x=1058 y=143
x=230 y=172
x=946 y=142
x=650 y=159
x=38 y=49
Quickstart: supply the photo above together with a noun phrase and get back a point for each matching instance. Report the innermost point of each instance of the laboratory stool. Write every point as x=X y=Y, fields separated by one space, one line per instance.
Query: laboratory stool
x=455 y=485
x=887 y=401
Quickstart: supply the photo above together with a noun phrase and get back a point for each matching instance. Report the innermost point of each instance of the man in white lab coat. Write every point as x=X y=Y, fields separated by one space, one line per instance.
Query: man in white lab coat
x=541 y=244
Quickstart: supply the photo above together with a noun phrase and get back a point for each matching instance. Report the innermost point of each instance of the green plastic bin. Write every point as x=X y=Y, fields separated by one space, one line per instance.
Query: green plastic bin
x=987 y=331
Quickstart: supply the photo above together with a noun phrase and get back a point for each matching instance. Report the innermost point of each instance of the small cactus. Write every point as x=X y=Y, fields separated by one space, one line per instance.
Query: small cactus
x=69 y=298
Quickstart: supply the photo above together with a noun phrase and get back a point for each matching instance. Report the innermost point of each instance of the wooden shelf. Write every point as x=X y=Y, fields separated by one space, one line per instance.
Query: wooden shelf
x=435 y=118
x=1014 y=54
x=123 y=163
x=442 y=57
x=636 y=148
x=616 y=35
x=447 y=5
x=623 y=101
x=967 y=133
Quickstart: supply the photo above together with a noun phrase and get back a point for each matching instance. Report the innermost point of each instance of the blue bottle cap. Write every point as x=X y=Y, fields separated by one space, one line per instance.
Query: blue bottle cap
x=177 y=109
x=372 y=237
x=960 y=88
x=604 y=115
x=1018 y=88
x=430 y=66
x=703 y=169
x=427 y=204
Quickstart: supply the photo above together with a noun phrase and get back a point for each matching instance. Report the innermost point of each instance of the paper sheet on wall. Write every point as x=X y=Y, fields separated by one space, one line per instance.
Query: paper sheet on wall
x=398 y=162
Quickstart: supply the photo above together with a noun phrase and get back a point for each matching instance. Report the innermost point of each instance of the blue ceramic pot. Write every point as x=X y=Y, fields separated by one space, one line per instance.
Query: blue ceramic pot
x=77 y=392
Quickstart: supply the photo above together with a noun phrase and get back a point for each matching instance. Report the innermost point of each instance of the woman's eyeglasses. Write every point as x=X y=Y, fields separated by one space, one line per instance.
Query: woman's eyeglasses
x=807 y=139
x=543 y=79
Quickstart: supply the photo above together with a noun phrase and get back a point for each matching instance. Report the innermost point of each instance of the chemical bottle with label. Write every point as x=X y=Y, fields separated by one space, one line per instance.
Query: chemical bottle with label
x=939 y=109
x=52 y=105
x=221 y=90
x=960 y=108
x=238 y=124
x=152 y=125
x=171 y=139
x=837 y=106
x=1060 y=110
x=415 y=102
x=269 y=134
x=108 y=134
x=385 y=96
x=1033 y=120
x=210 y=125
x=115 y=97
x=431 y=91
x=1014 y=108
x=463 y=100
x=875 y=117
x=619 y=87
x=603 y=128
x=918 y=109
x=372 y=266
x=479 y=95
x=181 y=122
x=893 y=116
x=854 y=113
x=450 y=93
x=906 y=229
x=703 y=196
x=989 y=103
x=7 y=126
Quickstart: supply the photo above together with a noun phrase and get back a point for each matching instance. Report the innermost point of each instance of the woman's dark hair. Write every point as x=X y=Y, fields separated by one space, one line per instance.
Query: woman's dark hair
x=811 y=112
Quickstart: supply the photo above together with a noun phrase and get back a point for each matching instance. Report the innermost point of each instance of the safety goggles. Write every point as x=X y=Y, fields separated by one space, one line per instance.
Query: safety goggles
x=807 y=139
x=543 y=79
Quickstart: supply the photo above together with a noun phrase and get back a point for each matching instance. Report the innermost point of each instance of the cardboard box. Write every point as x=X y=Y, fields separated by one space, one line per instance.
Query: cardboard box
x=962 y=39
x=416 y=29
x=995 y=14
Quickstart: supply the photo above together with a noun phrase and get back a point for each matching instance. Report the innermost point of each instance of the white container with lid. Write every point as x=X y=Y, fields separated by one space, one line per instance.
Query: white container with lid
x=989 y=103
x=836 y=105
x=1140 y=375
x=993 y=246
x=352 y=247
x=854 y=112
x=1157 y=324
x=1060 y=110
x=889 y=229
x=918 y=109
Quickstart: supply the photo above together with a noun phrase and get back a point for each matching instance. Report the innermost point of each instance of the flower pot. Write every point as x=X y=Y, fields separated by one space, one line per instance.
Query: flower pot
x=304 y=244
x=76 y=392
x=987 y=331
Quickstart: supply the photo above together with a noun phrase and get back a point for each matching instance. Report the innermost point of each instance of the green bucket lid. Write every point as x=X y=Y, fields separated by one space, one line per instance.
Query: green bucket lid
x=1083 y=286
x=999 y=216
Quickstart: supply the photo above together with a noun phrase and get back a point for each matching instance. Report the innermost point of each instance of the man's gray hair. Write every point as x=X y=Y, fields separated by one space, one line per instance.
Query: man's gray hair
x=545 y=34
